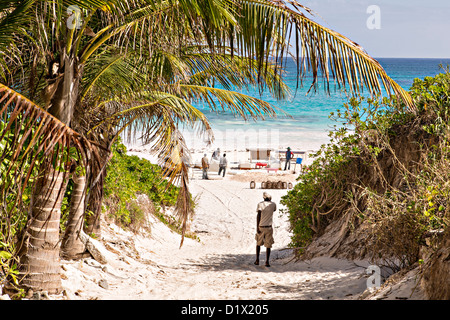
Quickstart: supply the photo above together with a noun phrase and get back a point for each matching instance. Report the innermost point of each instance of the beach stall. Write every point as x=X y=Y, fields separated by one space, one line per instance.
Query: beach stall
x=259 y=154
x=258 y=158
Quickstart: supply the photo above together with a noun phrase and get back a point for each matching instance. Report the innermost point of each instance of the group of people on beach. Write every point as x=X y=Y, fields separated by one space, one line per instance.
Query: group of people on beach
x=223 y=163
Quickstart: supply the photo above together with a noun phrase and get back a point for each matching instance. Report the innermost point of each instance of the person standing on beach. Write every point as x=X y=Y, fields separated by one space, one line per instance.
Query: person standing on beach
x=223 y=164
x=205 y=167
x=216 y=154
x=289 y=156
x=264 y=230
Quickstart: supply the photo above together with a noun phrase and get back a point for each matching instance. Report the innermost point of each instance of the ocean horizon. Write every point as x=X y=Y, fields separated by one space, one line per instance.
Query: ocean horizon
x=308 y=124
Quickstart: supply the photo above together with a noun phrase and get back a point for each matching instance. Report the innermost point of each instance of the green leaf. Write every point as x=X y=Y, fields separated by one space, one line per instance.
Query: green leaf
x=5 y=255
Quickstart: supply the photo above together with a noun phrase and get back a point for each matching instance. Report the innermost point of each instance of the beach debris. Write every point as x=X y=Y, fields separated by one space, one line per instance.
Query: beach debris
x=103 y=284
x=275 y=185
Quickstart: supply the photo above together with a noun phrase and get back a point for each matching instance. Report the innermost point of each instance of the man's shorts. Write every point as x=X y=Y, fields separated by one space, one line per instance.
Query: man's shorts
x=265 y=238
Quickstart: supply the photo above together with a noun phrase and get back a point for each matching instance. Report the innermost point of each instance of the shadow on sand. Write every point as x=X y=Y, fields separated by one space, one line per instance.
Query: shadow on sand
x=288 y=278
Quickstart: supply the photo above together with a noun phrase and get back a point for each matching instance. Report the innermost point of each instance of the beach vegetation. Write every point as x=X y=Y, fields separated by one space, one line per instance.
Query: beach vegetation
x=128 y=177
x=380 y=189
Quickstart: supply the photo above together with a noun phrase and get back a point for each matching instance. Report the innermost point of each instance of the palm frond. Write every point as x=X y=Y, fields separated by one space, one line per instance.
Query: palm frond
x=318 y=50
x=13 y=16
x=174 y=158
x=157 y=123
x=237 y=103
x=29 y=135
x=139 y=115
x=233 y=72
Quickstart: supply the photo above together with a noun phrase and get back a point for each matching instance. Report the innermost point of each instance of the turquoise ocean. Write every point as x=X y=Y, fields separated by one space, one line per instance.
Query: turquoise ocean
x=309 y=123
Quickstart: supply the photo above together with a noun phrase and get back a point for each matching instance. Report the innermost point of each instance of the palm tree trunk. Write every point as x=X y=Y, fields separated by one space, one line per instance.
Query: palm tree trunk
x=39 y=247
x=96 y=196
x=95 y=209
x=39 y=251
x=62 y=102
x=72 y=247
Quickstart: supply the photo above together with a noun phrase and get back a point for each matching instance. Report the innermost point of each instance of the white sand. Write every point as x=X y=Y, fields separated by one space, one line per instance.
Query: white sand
x=220 y=264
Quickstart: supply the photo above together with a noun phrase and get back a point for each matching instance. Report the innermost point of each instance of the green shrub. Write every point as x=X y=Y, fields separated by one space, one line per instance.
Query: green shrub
x=321 y=185
x=387 y=168
x=127 y=177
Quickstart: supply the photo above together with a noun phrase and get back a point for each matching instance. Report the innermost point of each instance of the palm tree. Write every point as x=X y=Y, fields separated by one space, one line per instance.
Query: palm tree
x=55 y=56
x=43 y=142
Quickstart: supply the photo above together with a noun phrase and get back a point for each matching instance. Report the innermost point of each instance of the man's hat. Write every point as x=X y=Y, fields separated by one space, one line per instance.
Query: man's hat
x=267 y=196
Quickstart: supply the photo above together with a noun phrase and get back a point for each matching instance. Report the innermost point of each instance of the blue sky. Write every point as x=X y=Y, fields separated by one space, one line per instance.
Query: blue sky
x=408 y=28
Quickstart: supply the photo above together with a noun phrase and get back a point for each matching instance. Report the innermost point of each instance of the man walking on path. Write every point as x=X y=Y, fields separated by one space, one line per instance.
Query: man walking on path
x=264 y=230
x=223 y=164
x=289 y=156
x=205 y=167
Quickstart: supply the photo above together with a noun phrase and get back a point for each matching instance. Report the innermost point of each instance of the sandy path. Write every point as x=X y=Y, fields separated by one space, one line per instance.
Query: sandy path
x=220 y=265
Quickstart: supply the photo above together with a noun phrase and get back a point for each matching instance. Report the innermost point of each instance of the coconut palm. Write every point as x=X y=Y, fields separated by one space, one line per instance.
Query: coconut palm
x=46 y=53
